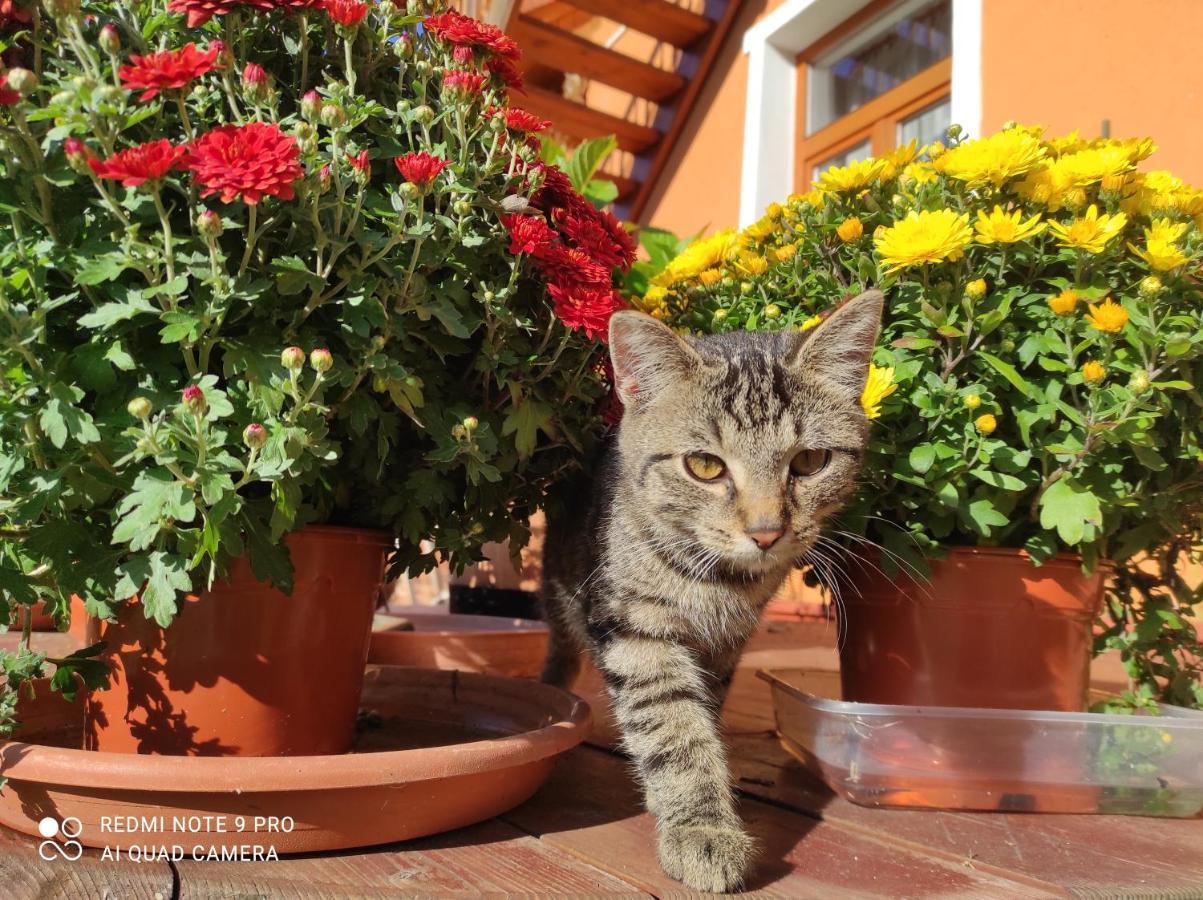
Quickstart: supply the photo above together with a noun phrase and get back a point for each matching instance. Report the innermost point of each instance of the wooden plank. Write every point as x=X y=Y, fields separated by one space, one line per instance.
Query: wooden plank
x=490 y=859
x=582 y=122
x=591 y=809
x=23 y=873
x=553 y=47
x=662 y=20
x=681 y=110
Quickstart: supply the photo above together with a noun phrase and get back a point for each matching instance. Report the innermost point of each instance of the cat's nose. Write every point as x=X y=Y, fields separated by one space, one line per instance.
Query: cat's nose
x=765 y=535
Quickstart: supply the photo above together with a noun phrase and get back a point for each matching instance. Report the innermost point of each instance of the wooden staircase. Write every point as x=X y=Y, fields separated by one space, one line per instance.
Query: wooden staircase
x=660 y=98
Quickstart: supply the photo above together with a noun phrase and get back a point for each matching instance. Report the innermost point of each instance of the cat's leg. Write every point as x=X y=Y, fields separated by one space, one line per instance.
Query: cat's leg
x=563 y=662
x=664 y=705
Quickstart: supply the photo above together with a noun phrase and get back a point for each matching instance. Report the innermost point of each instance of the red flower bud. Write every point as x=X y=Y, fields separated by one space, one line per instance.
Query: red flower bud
x=462 y=55
x=254 y=73
x=254 y=435
x=208 y=225
x=194 y=400
x=110 y=39
x=293 y=358
x=311 y=105
x=321 y=360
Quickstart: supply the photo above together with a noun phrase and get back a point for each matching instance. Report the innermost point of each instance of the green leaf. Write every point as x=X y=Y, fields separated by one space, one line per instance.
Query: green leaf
x=168 y=575
x=587 y=159
x=100 y=269
x=109 y=314
x=982 y=515
x=999 y=479
x=922 y=457
x=601 y=192
x=1073 y=511
x=61 y=418
x=1007 y=371
x=524 y=422
x=80 y=666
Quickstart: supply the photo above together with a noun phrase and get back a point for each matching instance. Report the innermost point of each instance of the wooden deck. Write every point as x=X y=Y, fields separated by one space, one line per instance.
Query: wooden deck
x=586 y=833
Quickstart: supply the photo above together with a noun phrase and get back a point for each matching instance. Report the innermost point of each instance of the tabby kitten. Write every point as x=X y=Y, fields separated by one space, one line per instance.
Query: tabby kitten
x=732 y=451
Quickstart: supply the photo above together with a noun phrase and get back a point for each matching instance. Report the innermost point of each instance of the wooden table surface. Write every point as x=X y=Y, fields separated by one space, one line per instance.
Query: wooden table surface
x=586 y=833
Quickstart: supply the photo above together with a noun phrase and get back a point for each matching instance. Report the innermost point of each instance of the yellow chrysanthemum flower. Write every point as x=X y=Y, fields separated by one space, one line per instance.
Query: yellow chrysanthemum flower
x=1093 y=372
x=878 y=386
x=850 y=229
x=991 y=161
x=1165 y=230
x=1091 y=232
x=1161 y=255
x=1108 y=316
x=761 y=229
x=702 y=254
x=773 y=211
x=922 y=238
x=785 y=252
x=809 y=323
x=752 y=264
x=1001 y=227
x=899 y=158
x=986 y=423
x=918 y=173
x=710 y=277
x=1064 y=303
x=851 y=178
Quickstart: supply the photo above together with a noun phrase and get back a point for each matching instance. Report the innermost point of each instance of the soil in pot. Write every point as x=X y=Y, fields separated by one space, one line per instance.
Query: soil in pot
x=245 y=670
x=989 y=629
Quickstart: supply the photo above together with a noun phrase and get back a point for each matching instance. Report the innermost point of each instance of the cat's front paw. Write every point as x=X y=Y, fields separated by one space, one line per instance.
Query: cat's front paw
x=706 y=858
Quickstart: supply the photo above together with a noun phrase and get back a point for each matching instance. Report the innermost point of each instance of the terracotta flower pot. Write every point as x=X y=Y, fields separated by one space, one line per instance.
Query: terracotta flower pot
x=436 y=640
x=989 y=629
x=245 y=670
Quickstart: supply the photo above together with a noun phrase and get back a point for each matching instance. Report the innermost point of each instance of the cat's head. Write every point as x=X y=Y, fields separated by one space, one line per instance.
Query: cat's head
x=740 y=445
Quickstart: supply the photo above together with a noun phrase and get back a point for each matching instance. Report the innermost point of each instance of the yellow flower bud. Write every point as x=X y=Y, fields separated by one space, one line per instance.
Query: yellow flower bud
x=1139 y=382
x=772 y=311
x=850 y=229
x=1093 y=372
x=976 y=289
x=810 y=323
x=710 y=277
x=986 y=423
x=1150 y=286
x=972 y=401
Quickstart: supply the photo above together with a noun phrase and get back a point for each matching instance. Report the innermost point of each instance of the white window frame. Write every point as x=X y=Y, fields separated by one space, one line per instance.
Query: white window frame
x=770 y=116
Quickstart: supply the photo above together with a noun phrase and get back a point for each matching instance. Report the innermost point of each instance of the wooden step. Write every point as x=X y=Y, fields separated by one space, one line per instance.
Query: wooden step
x=659 y=18
x=547 y=45
x=579 y=121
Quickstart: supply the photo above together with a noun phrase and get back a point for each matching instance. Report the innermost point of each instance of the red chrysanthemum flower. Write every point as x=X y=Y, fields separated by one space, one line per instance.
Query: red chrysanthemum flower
x=459 y=80
x=420 y=168
x=253 y=73
x=600 y=235
x=521 y=120
x=568 y=266
x=456 y=28
x=8 y=97
x=463 y=55
x=528 y=234
x=586 y=309
x=245 y=161
x=137 y=165
x=201 y=11
x=360 y=161
x=508 y=73
x=347 y=13
x=168 y=69
x=557 y=191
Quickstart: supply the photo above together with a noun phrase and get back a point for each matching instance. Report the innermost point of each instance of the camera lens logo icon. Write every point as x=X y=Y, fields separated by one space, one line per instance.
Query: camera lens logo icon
x=60 y=837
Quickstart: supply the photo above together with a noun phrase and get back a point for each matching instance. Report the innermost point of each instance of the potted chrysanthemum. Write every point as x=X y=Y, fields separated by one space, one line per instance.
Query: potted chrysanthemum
x=286 y=289
x=1035 y=453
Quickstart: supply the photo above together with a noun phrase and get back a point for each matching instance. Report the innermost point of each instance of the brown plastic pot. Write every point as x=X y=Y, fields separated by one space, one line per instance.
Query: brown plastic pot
x=245 y=670
x=989 y=629
x=513 y=647
x=443 y=750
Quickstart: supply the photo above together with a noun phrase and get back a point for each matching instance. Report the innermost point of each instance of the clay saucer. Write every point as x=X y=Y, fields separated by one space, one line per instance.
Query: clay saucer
x=514 y=647
x=436 y=751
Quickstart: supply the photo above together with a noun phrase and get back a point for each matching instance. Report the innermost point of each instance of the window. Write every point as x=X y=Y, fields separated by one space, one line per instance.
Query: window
x=880 y=79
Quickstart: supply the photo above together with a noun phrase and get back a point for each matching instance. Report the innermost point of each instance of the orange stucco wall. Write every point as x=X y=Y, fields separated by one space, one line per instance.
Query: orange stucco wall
x=1070 y=64
x=700 y=186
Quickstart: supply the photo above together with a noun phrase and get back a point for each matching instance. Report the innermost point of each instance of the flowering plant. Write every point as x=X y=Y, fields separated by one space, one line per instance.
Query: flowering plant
x=1036 y=385
x=274 y=262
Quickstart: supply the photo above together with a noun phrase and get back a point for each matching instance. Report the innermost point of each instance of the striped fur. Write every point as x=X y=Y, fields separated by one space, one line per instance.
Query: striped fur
x=653 y=571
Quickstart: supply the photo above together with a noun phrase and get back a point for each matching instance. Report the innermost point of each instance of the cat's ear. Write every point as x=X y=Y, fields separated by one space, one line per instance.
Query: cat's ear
x=839 y=348
x=647 y=355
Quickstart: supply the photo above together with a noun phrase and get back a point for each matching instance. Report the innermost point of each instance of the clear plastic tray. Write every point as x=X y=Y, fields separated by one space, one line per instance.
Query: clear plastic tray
x=991 y=759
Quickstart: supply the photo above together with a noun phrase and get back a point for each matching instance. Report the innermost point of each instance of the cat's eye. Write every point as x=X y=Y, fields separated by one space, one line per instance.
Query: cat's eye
x=705 y=466
x=809 y=462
